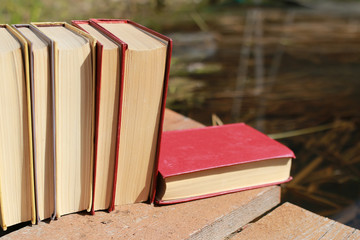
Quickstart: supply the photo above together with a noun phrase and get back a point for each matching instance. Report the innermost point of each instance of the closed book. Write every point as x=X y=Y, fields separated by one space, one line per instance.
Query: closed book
x=73 y=91
x=144 y=71
x=107 y=103
x=17 y=197
x=210 y=161
x=42 y=119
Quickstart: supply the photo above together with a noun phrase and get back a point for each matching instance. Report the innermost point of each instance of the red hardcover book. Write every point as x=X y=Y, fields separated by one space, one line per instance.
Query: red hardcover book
x=144 y=72
x=107 y=104
x=211 y=161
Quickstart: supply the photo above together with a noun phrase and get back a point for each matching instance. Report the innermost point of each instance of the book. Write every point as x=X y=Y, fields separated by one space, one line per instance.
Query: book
x=144 y=66
x=17 y=198
x=42 y=119
x=108 y=92
x=210 y=161
x=73 y=79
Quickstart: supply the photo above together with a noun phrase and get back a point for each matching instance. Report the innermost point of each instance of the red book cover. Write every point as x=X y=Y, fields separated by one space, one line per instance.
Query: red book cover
x=124 y=46
x=196 y=150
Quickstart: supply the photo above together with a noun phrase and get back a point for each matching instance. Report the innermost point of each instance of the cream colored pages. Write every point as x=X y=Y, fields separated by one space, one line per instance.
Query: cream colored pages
x=109 y=84
x=145 y=61
x=15 y=177
x=43 y=130
x=136 y=38
x=74 y=114
x=226 y=178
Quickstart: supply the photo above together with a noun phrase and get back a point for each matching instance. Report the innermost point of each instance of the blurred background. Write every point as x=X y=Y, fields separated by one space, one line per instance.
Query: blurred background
x=289 y=68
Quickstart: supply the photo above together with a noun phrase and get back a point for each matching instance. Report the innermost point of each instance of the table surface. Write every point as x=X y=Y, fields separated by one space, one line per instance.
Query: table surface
x=222 y=217
x=292 y=222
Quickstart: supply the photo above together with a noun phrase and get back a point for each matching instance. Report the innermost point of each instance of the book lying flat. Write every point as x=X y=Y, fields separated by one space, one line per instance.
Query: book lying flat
x=42 y=119
x=210 y=161
x=108 y=92
x=17 y=198
x=73 y=81
x=144 y=71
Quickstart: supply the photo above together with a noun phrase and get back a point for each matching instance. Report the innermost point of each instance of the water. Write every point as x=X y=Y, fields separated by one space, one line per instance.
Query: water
x=280 y=71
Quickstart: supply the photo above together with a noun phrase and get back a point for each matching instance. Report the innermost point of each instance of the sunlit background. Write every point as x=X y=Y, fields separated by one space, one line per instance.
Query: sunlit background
x=288 y=68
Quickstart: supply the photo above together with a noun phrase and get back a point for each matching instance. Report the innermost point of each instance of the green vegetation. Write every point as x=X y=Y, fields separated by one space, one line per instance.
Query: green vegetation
x=24 y=11
x=20 y=11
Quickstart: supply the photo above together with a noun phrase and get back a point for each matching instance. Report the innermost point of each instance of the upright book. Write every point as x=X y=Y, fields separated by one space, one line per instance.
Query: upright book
x=42 y=119
x=73 y=81
x=144 y=71
x=108 y=95
x=17 y=198
x=210 y=161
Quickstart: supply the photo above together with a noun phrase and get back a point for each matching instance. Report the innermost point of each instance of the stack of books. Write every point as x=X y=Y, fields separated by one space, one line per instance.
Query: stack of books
x=81 y=114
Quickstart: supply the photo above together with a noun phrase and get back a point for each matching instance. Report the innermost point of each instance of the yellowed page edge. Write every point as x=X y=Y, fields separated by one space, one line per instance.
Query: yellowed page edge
x=92 y=44
x=25 y=52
